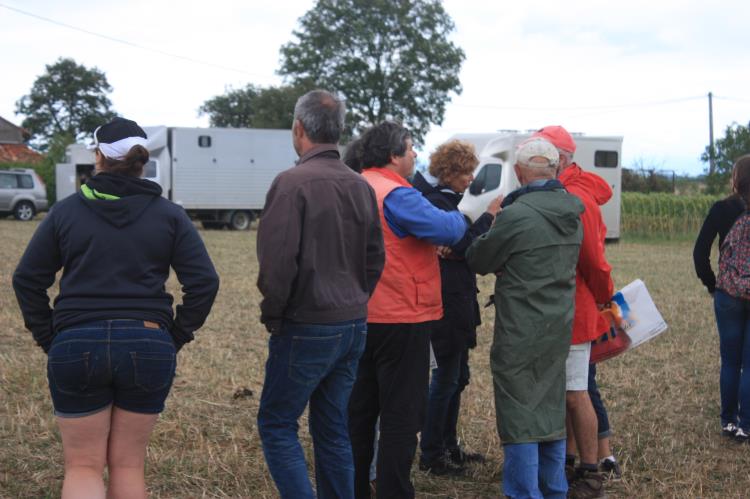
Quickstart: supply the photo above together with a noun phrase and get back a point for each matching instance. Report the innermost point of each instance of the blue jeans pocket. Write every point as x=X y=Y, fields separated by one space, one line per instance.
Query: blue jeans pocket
x=312 y=356
x=70 y=373
x=153 y=372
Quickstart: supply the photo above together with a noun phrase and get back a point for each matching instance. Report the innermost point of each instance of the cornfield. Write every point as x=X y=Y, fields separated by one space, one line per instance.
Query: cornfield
x=662 y=215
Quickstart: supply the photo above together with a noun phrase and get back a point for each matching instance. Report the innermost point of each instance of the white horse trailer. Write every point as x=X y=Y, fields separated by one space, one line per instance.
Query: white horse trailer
x=219 y=175
x=495 y=175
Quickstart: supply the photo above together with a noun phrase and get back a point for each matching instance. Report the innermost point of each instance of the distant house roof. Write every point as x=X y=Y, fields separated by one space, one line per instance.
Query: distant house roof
x=13 y=148
x=11 y=133
x=19 y=153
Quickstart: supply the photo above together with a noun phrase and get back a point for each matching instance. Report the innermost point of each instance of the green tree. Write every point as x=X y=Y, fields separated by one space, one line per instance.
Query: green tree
x=254 y=107
x=736 y=142
x=68 y=99
x=390 y=59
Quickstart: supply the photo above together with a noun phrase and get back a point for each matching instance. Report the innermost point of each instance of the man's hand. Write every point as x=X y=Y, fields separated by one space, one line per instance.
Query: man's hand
x=444 y=251
x=495 y=206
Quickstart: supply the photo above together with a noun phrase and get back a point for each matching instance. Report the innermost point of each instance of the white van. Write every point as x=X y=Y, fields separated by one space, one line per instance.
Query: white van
x=495 y=175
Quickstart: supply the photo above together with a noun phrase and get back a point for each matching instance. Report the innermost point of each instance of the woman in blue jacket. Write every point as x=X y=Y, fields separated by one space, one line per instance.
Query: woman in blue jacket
x=111 y=336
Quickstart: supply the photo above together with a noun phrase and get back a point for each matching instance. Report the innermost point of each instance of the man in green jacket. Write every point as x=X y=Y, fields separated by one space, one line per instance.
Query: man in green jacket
x=533 y=249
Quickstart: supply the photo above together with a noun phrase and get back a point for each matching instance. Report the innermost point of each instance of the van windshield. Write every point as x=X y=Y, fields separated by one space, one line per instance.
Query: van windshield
x=150 y=169
x=488 y=179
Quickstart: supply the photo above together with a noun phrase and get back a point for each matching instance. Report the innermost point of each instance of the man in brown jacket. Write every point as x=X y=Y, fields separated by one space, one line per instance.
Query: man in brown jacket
x=321 y=253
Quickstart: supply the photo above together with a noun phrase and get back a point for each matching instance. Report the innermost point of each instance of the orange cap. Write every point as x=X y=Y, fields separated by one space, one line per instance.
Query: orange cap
x=559 y=137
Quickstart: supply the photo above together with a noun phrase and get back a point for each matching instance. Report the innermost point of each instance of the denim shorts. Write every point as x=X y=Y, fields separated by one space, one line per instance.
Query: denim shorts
x=122 y=362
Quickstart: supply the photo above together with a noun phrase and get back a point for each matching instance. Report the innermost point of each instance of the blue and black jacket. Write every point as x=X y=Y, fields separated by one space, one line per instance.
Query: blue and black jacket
x=115 y=242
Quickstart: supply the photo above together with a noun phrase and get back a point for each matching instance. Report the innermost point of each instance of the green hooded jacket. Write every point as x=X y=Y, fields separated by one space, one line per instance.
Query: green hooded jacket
x=534 y=245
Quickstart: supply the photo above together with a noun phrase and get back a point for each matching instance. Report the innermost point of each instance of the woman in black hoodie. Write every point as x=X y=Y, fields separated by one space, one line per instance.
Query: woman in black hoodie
x=111 y=337
x=451 y=171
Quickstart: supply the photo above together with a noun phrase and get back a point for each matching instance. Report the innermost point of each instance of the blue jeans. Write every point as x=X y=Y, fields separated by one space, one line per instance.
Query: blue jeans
x=535 y=470
x=733 y=321
x=315 y=363
x=444 y=402
x=602 y=418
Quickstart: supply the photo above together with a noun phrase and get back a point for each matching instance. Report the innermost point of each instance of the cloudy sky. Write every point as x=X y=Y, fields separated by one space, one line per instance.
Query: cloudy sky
x=639 y=69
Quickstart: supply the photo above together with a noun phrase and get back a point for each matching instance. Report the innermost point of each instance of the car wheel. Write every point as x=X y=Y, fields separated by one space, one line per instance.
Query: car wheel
x=240 y=220
x=24 y=211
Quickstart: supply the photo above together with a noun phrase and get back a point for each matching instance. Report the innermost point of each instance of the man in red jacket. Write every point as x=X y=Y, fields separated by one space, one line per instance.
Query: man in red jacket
x=593 y=287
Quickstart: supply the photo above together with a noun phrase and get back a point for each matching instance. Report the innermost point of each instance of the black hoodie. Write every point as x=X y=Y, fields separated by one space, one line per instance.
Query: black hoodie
x=115 y=255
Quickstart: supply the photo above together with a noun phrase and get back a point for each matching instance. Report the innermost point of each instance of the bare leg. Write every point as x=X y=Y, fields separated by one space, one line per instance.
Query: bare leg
x=583 y=418
x=126 y=456
x=604 y=449
x=570 y=448
x=85 y=449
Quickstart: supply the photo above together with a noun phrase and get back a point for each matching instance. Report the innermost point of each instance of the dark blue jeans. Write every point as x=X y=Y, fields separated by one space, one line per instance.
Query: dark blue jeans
x=449 y=379
x=733 y=321
x=602 y=418
x=535 y=470
x=315 y=363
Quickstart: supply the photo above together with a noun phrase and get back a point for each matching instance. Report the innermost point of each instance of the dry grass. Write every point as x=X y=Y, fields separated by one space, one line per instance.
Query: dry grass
x=663 y=397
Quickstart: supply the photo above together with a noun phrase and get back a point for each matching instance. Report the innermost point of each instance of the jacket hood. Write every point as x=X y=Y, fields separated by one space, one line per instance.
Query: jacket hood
x=560 y=209
x=597 y=187
x=428 y=185
x=118 y=199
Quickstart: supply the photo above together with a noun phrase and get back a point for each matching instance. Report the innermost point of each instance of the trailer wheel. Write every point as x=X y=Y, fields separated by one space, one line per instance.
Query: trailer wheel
x=24 y=211
x=240 y=220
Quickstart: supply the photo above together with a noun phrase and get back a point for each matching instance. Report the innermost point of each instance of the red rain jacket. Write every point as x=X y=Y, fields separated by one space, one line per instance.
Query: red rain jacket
x=593 y=280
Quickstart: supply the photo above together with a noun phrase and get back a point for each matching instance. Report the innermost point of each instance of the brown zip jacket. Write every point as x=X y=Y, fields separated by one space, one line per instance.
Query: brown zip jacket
x=320 y=244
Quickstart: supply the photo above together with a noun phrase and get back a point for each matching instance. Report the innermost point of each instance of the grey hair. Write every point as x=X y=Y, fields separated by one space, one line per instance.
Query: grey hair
x=322 y=116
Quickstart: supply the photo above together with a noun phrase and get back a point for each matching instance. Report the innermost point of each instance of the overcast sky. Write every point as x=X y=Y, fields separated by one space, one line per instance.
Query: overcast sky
x=639 y=69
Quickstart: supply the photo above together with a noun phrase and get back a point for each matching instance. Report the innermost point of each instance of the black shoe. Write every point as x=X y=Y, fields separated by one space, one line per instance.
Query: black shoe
x=729 y=430
x=458 y=456
x=442 y=467
x=610 y=469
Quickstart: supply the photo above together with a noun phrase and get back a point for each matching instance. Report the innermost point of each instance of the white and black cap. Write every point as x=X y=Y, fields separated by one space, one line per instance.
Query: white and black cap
x=115 y=139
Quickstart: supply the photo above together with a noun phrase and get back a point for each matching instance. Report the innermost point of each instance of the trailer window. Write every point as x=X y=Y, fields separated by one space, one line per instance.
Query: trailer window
x=150 y=170
x=488 y=179
x=204 y=141
x=605 y=159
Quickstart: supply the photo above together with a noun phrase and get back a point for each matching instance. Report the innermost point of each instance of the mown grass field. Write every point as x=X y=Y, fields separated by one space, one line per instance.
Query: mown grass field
x=663 y=397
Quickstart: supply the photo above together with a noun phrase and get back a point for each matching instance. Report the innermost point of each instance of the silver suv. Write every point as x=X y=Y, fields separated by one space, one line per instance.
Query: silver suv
x=22 y=193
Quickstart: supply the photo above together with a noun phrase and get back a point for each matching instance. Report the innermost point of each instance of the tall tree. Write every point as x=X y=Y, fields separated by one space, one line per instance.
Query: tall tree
x=254 y=107
x=68 y=99
x=735 y=143
x=390 y=59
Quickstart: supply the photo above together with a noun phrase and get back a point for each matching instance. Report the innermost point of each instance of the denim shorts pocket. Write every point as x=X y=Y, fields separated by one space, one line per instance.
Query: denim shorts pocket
x=153 y=372
x=70 y=373
x=311 y=357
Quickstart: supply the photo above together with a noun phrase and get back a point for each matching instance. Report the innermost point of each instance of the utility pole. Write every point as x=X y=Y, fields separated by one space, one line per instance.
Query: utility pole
x=710 y=133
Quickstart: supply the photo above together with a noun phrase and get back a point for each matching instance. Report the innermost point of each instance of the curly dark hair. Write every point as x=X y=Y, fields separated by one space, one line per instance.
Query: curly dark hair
x=382 y=141
x=453 y=159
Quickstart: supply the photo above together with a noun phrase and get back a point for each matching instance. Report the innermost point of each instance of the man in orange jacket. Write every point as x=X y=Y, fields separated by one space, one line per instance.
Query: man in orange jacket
x=393 y=373
x=593 y=287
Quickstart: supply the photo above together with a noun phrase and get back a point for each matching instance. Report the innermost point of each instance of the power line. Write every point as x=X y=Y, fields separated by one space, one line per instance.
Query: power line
x=584 y=108
x=132 y=44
